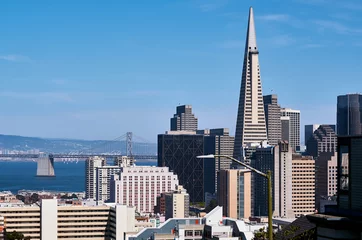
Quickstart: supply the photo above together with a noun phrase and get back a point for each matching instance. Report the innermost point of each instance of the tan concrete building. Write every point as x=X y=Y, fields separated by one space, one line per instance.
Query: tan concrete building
x=303 y=185
x=234 y=193
x=177 y=203
x=52 y=222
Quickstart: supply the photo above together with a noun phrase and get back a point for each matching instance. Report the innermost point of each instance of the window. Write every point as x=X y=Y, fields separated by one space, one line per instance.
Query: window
x=198 y=233
x=188 y=233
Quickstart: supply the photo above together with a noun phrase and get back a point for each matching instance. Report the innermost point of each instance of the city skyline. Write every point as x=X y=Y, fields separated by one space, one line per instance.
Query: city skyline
x=76 y=74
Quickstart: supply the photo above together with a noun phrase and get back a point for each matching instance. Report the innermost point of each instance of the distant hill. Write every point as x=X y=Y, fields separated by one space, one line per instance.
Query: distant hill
x=21 y=143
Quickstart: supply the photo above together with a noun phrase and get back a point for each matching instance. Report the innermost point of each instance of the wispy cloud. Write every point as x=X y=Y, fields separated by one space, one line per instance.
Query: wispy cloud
x=15 y=58
x=211 y=5
x=337 y=27
x=274 y=17
x=231 y=44
x=312 y=45
x=59 y=81
x=45 y=97
x=282 y=40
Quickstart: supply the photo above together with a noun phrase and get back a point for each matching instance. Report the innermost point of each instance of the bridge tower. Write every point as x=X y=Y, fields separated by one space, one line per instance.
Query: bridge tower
x=129 y=148
x=45 y=166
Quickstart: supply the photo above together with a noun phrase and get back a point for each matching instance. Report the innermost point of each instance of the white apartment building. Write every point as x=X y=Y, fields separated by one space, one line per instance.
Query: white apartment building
x=91 y=166
x=139 y=186
x=52 y=222
x=104 y=175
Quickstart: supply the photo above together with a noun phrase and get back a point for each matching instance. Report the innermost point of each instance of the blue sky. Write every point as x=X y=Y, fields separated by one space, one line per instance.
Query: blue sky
x=92 y=70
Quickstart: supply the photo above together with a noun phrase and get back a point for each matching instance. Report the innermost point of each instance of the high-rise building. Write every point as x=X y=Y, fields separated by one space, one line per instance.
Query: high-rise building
x=349 y=114
x=294 y=126
x=91 y=166
x=308 y=131
x=218 y=142
x=250 y=124
x=103 y=181
x=234 y=193
x=178 y=150
x=184 y=119
x=140 y=186
x=285 y=121
x=324 y=139
x=303 y=185
x=272 y=118
x=326 y=178
x=177 y=203
x=278 y=159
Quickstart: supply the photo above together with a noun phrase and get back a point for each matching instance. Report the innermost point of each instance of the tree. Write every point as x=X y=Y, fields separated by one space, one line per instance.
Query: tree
x=16 y=236
x=261 y=234
x=34 y=198
x=21 y=198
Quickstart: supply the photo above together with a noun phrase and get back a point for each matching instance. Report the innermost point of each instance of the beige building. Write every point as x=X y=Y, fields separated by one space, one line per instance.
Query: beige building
x=177 y=203
x=303 y=185
x=51 y=222
x=234 y=193
x=91 y=166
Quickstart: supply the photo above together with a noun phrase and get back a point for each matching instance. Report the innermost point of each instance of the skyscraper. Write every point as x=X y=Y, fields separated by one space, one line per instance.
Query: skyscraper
x=91 y=166
x=294 y=126
x=250 y=124
x=184 y=119
x=308 y=131
x=324 y=139
x=285 y=121
x=349 y=114
x=272 y=117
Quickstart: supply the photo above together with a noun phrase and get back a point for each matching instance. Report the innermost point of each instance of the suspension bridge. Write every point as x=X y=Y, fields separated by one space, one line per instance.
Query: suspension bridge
x=124 y=145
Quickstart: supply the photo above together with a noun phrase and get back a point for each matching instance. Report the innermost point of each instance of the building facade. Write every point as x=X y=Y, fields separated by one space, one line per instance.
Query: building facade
x=326 y=178
x=52 y=222
x=177 y=203
x=103 y=181
x=303 y=185
x=349 y=114
x=294 y=126
x=308 y=131
x=217 y=142
x=272 y=118
x=140 y=186
x=250 y=124
x=278 y=159
x=285 y=121
x=234 y=193
x=323 y=139
x=184 y=119
x=91 y=166
x=179 y=151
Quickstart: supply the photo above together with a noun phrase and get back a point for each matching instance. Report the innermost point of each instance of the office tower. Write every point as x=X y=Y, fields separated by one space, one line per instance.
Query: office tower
x=326 y=178
x=272 y=118
x=234 y=193
x=250 y=124
x=140 y=186
x=103 y=181
x=308 y=131
x=217 y=142
x=178 y=151
x=91 y=165
x=278 y=159
x=184 y=119
x=285 y=121
x=303 y=185
x=324 y=139
x=177 y=204
x=294 y=126
x=349 y=114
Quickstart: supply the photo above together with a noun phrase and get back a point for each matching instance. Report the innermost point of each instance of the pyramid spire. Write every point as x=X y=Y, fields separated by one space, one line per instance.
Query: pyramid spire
x=250 y=124
x=251 y=35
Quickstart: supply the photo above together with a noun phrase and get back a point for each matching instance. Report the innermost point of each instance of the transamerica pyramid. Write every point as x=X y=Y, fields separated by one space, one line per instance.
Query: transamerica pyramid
x=250 y=124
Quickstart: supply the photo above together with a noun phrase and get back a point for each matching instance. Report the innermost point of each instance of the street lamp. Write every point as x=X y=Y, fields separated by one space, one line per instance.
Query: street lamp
x=267 y=176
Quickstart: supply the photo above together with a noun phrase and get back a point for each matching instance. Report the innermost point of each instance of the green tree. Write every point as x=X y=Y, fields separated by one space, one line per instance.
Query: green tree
x=34 y=198
x=16 y=236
